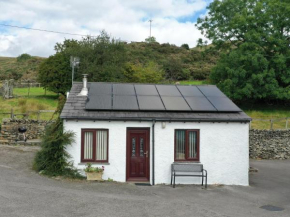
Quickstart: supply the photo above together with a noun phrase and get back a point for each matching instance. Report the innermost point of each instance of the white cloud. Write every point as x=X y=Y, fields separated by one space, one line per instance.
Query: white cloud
x=124 y=19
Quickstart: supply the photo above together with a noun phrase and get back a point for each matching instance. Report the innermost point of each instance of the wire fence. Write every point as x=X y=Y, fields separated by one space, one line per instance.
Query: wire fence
x=35 y=115
x=27 y=89
x=26 y=85
x=275 y=123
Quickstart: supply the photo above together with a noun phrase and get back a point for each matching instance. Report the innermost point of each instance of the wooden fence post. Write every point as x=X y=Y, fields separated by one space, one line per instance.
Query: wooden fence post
x=11 y=115
x=28 y=89
x=38 y=115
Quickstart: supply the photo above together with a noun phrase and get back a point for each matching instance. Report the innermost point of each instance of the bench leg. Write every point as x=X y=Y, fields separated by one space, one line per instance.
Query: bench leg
x=174 y=180
x=202 y=179
x=206 y=180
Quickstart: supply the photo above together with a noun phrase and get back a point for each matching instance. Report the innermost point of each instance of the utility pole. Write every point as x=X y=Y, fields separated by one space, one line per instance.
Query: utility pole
x=150 y=26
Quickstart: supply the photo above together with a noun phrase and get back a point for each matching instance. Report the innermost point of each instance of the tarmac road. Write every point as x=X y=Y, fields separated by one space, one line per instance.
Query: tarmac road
x=27 y=194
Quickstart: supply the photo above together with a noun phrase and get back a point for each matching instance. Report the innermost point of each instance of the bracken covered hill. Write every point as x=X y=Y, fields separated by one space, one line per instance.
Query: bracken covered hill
x=186 y=63
x=24 y=67
x=183 y=63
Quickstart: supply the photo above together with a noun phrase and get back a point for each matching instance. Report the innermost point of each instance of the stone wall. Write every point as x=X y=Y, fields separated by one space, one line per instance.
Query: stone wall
x=270 y=144
x=9 y=129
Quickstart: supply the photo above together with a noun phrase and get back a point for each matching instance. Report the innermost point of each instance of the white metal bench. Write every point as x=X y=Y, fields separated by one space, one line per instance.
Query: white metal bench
x=187 y=169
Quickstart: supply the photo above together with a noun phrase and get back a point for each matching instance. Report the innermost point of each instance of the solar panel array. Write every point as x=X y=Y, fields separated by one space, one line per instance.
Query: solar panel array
x=149 y=97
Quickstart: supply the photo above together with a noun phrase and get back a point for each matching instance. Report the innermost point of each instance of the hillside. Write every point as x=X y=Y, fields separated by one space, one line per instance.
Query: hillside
x=179 y=62
x=24 y=67
x=183 y=63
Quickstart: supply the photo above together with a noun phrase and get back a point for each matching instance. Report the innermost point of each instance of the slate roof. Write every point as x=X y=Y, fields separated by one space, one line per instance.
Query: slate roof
x=74 y=108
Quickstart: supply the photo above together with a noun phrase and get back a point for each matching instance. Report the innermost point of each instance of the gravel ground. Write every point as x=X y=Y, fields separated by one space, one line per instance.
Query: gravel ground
x=25 y=193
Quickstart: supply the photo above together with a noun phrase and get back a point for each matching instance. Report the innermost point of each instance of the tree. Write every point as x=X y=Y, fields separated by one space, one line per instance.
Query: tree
x=102 y=58
x=148 y=73
x=55 y=73
x=185 y=46
x=254 y=38
x=174 y=69
x=150 y=39
x=23 y=57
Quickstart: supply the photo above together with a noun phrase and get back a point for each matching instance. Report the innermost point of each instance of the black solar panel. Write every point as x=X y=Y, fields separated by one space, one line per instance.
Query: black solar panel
x=146 y=90
x=125 y=103
x=168 y=90
x=123 y=89
x=147 y=97
x=100 y=89
x=224 y=104
x=211 y=91
x=200 y=104
x=150 y=103
x=99 y=102
x=175 y=103
x=189 y=91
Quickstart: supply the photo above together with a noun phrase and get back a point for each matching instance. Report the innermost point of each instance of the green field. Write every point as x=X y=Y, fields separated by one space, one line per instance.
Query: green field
x=24 y=104
x=193 y=82
x=268 y=112
x=33 y=91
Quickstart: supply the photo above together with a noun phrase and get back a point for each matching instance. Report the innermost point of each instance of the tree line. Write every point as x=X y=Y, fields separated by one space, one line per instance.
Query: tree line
x=106 y=59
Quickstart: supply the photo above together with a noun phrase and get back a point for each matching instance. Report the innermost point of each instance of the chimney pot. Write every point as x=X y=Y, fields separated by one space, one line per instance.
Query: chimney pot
x=84 y=91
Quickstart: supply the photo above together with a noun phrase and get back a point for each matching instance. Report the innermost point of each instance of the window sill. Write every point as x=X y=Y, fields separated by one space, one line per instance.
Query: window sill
x=94 y=163
x=186 y=162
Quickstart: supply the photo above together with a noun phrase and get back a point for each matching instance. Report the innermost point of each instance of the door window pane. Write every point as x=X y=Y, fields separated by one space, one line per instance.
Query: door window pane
x=141 y=147
x=88 y=145
x=180 y=145
x=133 y=147
x=102 y=144
x=192 y=152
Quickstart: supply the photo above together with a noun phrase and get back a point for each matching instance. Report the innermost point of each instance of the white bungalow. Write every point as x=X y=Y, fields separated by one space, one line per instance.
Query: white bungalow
x=137 y=131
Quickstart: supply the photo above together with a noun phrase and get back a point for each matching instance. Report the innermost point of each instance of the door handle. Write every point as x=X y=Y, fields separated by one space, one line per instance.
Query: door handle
x=146 y=153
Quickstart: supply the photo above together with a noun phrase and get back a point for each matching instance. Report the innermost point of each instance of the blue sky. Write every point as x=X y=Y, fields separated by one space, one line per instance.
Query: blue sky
x=173 y=22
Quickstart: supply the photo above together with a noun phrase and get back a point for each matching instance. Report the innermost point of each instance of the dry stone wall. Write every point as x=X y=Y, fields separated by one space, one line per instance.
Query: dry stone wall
x=269 y=144
x=9 y=129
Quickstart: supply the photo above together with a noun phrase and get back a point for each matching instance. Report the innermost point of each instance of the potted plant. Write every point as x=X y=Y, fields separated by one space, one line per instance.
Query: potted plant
x=94 y=173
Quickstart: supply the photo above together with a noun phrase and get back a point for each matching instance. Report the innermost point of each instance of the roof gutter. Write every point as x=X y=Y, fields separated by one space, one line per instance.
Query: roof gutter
x=156 y=119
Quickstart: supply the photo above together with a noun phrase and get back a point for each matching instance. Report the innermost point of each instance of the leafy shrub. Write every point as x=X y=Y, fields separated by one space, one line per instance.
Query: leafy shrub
x=52 y=159
x=185 y=46
x=148 y=73
x=23 y=57
x=174 y=70
x=40 y=106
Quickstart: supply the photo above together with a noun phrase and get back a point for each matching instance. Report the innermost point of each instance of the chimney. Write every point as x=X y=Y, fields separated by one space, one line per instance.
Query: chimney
x=84 y=91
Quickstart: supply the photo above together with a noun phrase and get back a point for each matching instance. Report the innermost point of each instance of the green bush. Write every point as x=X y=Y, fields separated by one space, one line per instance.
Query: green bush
x=52 y=159
x=147 y=73
x=23 y=57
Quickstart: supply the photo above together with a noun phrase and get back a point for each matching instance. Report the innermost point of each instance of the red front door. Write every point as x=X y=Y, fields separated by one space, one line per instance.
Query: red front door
x=138 y=157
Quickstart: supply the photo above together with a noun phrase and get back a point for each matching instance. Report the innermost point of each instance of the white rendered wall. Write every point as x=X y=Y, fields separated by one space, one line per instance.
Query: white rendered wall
x=224 y=150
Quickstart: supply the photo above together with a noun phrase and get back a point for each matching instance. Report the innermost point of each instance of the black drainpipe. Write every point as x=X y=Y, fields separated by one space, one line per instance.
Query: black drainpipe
x=153 y=154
